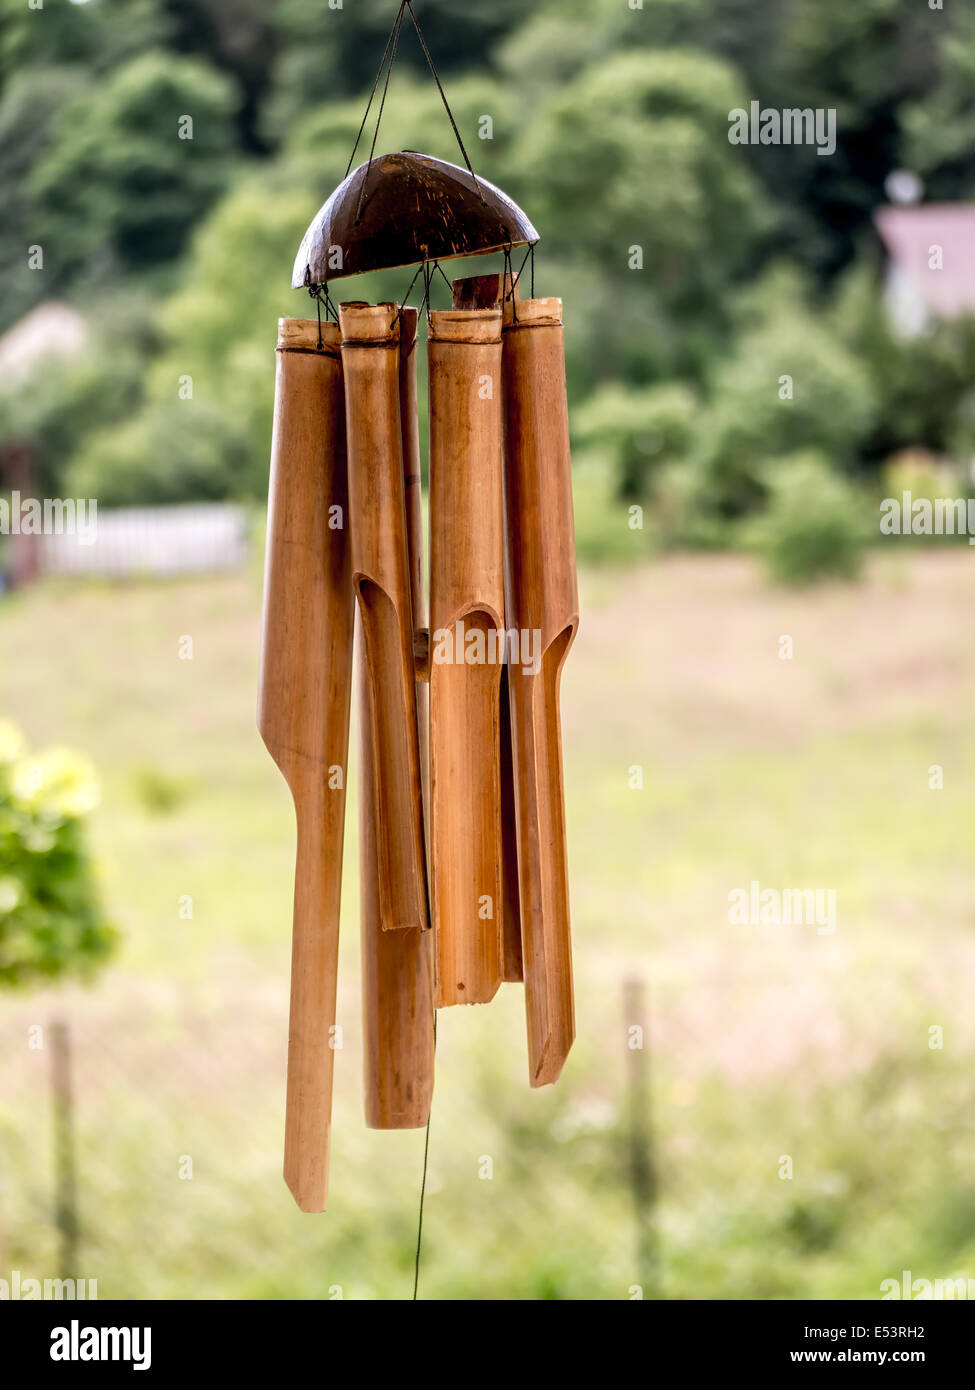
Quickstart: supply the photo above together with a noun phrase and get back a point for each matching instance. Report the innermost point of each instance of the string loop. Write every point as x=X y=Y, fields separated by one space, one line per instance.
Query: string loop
x=386 y=66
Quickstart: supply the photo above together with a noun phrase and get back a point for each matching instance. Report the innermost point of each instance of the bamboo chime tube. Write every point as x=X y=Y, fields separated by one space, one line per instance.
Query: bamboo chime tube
x=303 y=711
x=409 y=417
x=381 y=575
x=397 y=967
x=485 y=292
x=397 y=974
x=542 y=597
x=467 y=651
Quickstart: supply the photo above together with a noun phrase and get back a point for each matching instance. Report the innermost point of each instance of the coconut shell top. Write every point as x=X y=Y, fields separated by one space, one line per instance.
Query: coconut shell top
x=410 y=208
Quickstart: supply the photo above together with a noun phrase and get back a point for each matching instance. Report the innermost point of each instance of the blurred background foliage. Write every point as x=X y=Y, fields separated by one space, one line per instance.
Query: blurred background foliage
x=609 y=126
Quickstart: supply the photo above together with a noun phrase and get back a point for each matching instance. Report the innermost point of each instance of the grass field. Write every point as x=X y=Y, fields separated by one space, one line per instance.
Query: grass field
x=764 y=1041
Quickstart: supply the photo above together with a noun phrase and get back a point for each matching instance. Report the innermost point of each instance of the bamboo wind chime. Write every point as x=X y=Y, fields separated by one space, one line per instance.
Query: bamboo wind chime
x=463 y=872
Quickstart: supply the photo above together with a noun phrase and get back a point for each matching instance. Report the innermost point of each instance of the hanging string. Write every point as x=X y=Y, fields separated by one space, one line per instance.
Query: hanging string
x=427 y=269
x=394 y=40
x=513 y=279
x=406 y=297
x=443 y=96
x=427 y=281
x=423 y=1181
x=320 y=294
x=388 y=59
x=529 y=255
x=509 y=279
x=375 y=86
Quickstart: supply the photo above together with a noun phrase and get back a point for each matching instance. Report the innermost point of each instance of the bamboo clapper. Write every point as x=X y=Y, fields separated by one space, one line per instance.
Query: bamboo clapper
x=303 y=711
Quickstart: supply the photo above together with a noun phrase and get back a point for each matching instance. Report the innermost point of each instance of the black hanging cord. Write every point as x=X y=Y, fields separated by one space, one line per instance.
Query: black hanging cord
x=427 y=269
x=529 y=255
x=423 y=1182
x=509 y=276
x=375 y=86
x=394 y=40
x=320 y=294
x=443 y=96
x=406 y=297
x=388 y=59
x=427 y=281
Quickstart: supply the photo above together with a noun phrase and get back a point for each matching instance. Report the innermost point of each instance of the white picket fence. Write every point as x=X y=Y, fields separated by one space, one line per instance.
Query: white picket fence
x=152 y=542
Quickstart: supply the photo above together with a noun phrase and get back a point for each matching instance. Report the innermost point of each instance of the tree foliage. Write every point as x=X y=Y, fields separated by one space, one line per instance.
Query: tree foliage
x=609 y=124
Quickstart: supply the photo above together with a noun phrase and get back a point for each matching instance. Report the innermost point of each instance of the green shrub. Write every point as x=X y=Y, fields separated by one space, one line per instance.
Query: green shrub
x=604 y=529
x=178 y=452
x=50 y=921
x=790 y=385
x=816 y=523
x=159 y=792
x=642 y=429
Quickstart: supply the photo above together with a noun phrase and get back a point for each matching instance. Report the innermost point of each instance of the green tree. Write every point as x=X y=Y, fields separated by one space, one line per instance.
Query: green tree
x=120 y=178
x=816 y=526
x=789 y=385
x=631 y=182
x=29 y=104
x=95 y=35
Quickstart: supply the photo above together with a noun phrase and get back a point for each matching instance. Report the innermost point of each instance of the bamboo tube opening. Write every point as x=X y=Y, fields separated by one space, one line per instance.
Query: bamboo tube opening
x=465 y=326
x=302 y=335
x=532 y=313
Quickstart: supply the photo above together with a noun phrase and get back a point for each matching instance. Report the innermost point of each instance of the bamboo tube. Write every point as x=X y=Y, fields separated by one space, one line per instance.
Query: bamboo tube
x=397 y=973
x=397 y=968
x=540 y=595
x=303 y=711
x=487 y=292
x=542 y=598
x=381 y=575
x=409 y=419
x=467 y=652
x=512 y=963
